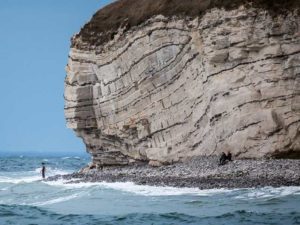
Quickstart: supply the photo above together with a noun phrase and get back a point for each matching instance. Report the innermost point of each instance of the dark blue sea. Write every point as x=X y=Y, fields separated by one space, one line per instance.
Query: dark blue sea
x=26 y=199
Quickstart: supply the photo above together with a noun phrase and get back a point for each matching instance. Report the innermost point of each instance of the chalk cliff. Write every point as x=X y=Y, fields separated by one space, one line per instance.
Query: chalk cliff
x=172 y=87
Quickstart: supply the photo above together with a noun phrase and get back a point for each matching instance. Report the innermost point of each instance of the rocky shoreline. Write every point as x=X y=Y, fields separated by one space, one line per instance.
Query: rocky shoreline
x=201 y=172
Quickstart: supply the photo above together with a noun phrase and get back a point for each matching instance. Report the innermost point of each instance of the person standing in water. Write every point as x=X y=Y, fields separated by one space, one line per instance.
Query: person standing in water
x=43 y=171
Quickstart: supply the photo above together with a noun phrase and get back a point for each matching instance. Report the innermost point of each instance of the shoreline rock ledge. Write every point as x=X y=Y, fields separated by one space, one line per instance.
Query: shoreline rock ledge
x=158 y=84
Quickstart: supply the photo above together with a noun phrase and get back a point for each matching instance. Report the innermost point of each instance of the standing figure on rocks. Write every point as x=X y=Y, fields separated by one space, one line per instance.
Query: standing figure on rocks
x=229 y=156
x=224 y=158
x=43 y=170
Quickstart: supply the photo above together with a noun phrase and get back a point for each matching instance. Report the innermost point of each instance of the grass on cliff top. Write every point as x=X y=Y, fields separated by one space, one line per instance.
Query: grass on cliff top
x=129 y=13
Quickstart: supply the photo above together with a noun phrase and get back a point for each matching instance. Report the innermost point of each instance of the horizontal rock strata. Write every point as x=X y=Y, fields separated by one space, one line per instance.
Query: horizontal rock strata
x=175 y=88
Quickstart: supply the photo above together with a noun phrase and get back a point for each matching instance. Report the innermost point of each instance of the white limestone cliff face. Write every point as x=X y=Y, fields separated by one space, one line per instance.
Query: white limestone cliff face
x=175 y=88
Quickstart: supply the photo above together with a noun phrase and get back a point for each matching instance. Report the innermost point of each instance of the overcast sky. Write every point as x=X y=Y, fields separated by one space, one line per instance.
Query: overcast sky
x=34 y=44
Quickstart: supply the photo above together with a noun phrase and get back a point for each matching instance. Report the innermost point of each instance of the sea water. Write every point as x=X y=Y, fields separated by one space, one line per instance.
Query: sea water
x=26 y=199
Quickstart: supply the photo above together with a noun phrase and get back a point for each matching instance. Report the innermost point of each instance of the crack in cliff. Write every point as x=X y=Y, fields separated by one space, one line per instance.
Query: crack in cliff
x=284 y=97
x=247 y=63
x=203 y=114
x=247 y=126
x=161 y=130
x=292 y=123
x=238 y=130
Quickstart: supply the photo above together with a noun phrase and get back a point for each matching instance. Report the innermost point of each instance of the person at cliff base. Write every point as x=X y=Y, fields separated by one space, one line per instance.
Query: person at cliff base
x=225 y=158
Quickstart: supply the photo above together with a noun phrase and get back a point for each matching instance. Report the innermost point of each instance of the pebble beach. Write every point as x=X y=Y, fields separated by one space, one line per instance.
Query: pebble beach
x=201 y=172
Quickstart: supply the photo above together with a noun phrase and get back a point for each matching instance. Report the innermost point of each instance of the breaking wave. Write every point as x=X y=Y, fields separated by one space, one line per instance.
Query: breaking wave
x=25 y=197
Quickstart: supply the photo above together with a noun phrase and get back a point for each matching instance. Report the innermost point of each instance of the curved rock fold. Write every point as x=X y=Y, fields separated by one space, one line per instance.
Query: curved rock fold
x=174 y=88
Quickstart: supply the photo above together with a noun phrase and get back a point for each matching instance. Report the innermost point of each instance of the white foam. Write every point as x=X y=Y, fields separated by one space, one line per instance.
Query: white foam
x=56 y=200
x=66 y=158
x=269 y=192
x=159 y=191
x=65 y=184
x=144 y=190
x=29 y=176
x=69 y=157
x=18 y=180
x=130 y=187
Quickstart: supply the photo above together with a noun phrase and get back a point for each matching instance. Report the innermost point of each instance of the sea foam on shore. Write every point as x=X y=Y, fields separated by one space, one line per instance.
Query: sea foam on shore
x=25 y=197
x=203 y=173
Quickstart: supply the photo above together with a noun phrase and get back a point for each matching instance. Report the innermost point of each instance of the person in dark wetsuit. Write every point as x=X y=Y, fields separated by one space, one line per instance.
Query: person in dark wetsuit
x=224 y=158
x=43 y=171
x=229 y=156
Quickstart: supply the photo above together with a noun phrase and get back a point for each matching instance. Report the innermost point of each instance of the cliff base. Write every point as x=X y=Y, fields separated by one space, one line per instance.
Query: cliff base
x=201 y=172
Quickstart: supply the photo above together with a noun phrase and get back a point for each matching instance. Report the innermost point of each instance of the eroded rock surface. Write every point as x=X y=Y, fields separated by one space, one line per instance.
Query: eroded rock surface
x=170 y=89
